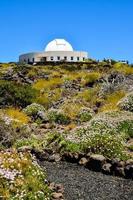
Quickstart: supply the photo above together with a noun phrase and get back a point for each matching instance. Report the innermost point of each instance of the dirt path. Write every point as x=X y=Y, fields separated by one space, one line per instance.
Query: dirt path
x=82 y=184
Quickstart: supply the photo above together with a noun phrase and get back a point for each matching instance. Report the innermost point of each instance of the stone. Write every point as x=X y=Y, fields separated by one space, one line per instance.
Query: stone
x=57 y=195
x=41 y=155
x=119 y=171
x=42 y=115
x=128 y=171
x=106 y=168
x=52 y=186
x=83 y=161
x=54 y=158
x=76 y=156
x=115 y=163
x=59 y=188
x=129 y=162
x=96 y=162
x=71 y=157
x=46 y=126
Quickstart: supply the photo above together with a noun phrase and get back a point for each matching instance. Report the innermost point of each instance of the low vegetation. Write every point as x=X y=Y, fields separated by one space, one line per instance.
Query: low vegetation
x=16 y=177
x=77 y=108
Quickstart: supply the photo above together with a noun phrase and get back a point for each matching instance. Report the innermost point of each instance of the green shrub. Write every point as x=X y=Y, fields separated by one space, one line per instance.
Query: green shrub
x=70 y=146
x=32 y=141
x=85 y=115
x=111 y=146
x=126 y=127
x=58 y=141
x=14 y=94
x=58 y=117
x=33 y=109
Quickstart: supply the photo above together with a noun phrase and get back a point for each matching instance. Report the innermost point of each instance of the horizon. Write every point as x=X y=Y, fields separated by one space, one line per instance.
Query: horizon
x=103 y=29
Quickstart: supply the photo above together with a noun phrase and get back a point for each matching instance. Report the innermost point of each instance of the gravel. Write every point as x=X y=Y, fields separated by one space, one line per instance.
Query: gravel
x=81 y=184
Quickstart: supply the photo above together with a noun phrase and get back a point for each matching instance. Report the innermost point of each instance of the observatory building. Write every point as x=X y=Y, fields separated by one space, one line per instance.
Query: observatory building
x=57 y=50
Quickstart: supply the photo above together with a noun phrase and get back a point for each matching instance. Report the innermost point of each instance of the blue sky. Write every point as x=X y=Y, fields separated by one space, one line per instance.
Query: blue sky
x=104 y=28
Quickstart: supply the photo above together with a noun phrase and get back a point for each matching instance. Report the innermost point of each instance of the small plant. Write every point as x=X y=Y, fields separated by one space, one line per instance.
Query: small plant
x=58 y=141
x=70 y=146
x=36 y=112
x=33 y=141
x=58 y=117
x=85 y=114
x=126 y=127
x=33 y=109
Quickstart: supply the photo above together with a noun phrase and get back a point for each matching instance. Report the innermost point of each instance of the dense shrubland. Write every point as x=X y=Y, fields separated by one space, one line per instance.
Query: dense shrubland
x=85 y=107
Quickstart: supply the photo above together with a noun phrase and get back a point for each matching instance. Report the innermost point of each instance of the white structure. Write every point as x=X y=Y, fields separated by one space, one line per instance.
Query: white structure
x=56 y=51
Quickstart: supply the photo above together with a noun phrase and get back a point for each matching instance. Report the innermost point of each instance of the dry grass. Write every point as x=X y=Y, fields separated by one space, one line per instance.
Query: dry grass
x=90 y=77
x=72 y=108
x=17 y=116
x=123 y=68
x=47 y=84
x=49 y=97
x=110 y=103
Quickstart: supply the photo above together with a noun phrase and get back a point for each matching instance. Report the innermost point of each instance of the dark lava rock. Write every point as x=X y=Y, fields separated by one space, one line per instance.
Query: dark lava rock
x=70 y=157
x=115 y=163
x=96 y=162
x=82 y=184
x=119 y=171
x=40 y=155
x=129 y=171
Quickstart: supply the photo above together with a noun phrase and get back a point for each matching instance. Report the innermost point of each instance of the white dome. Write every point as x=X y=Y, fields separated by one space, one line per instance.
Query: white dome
x=59 y=45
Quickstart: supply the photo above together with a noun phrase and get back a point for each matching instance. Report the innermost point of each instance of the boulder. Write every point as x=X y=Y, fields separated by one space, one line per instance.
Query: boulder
x=41 y=155
x=42 y=115
x=96 y=162
x=71 y=157
x=115 y=163
x=129 y=162
x=57 y=195
x=59 y=188
x=54 y=158
x=83 y=161
x=119 y=171
x=106 y=168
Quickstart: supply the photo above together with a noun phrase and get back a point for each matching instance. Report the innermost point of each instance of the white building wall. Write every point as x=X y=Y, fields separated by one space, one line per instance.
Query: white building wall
x=37 y=57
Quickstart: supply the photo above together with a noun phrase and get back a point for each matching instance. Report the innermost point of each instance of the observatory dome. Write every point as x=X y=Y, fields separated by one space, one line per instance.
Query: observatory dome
x=58 y=45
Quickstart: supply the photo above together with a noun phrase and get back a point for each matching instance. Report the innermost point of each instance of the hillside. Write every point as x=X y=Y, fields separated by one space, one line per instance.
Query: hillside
x=75 y=112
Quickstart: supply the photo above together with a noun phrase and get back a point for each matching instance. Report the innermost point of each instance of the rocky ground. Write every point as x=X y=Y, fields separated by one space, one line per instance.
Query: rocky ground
x=81 y=184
